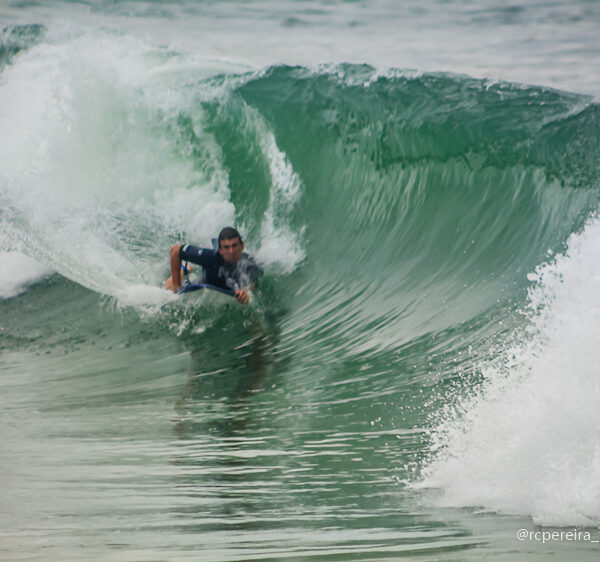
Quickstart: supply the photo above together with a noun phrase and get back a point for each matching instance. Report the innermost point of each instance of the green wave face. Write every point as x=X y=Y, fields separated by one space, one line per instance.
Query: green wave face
x=425 y=200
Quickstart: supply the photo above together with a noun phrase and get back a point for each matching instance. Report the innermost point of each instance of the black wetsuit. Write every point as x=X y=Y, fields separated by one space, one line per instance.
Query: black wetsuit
x=217 y=271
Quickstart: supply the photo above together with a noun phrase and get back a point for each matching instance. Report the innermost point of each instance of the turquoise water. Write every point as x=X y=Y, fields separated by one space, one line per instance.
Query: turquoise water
x=416 y=376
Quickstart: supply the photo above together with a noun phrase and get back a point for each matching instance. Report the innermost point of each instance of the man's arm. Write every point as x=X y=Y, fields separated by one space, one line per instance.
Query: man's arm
x=175 y=264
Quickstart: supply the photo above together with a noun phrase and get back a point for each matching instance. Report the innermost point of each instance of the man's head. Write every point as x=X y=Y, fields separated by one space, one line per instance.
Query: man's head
x=231 y=245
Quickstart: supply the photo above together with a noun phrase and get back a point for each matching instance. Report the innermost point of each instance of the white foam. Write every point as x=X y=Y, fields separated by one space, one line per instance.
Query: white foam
x=17 y=272
x=529 y=441
x=90 y=171
x=281 y=247
x=146 y=297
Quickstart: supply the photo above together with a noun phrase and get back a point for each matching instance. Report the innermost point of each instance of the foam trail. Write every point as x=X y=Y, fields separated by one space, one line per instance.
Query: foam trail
x=280 y=245
x=529 y=441
x=17 y=272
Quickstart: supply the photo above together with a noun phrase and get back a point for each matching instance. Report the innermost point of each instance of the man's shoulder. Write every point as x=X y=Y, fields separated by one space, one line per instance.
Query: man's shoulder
x=249 y=268
x=196 y=254
x=248 y=262
x=209 y=252
x=248 y=258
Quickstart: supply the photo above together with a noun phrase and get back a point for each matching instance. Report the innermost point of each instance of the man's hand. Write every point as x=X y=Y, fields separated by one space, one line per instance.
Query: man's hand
x=242 y=296
x=169 y=285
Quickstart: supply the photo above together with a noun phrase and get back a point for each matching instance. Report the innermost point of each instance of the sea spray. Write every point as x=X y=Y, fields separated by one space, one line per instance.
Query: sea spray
x=18 y=272
x=527 y=441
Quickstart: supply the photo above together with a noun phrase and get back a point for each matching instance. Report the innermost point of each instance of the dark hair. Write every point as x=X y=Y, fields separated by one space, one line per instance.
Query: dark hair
x=228 y=233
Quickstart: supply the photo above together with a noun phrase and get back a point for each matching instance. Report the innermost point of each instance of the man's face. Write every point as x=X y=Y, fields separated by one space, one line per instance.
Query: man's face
x=231 y=250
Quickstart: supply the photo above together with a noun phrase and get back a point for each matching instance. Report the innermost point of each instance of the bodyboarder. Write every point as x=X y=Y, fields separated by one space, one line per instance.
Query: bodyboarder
x=227 y=267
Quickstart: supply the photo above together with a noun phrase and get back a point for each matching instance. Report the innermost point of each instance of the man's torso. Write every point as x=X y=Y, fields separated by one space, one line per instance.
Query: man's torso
x=217 y=271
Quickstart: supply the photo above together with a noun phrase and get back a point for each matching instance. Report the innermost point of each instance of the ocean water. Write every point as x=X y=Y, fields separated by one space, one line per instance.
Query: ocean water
x=417 y=376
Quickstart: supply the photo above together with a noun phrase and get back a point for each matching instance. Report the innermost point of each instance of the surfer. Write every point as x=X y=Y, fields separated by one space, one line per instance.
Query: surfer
x=227 y=267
